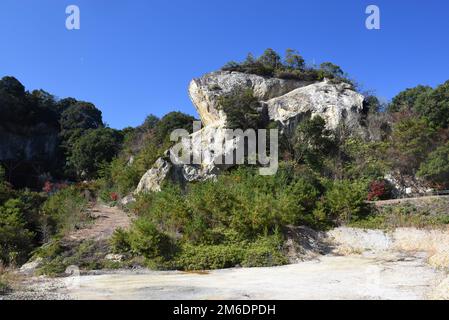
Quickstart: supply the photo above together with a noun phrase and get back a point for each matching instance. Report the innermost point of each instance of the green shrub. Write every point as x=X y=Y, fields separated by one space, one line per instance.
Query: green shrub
x=204 y=257
x=265 y=252
x=346 y=200
x=66 y=210
x=16 y=241
x=120 y=241
x=4 y=287
x=435 y=169
x=146 y=240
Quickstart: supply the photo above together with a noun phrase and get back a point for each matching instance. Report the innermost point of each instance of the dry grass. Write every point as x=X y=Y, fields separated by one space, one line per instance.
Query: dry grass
x=434 y=242
x=9 y=280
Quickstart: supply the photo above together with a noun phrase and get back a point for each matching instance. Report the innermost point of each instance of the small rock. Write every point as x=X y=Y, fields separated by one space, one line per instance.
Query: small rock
x=30 y=267
x=114 y=257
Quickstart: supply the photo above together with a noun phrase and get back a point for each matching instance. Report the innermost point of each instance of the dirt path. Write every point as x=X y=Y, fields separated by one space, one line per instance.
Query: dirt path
x=107 y=220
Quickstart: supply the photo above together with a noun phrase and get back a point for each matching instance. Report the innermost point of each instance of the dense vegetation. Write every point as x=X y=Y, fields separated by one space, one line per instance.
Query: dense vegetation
x=292 y=66
x=325 y=178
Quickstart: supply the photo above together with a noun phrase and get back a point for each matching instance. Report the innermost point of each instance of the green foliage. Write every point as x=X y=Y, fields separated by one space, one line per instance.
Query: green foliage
x=242 y=111
x=412 y=140
x=293 y=60
x=78 y=117
x=364 y=160
x=404 y=216
x=218 y=224
x=92 y=150
x=406 y=100
x=330 y=70
x=15 y=239
x=270 y=64
x=435 y=169
x=434 y=106
x=265 y=252
x=171 y=122
x=313 y=142
x=65 y=210
x=146 y=240
x=58 y=255
x=345 y=200
x=204 y=257
x=19 y=109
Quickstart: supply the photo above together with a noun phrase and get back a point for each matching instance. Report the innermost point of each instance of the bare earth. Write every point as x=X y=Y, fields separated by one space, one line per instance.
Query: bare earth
x=331 y=277
x=365 y=264
x=107 y=220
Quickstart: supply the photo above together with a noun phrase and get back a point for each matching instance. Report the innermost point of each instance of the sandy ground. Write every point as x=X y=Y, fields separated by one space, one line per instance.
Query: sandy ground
x=331 y=277
x=107 y=220
x=364 y=265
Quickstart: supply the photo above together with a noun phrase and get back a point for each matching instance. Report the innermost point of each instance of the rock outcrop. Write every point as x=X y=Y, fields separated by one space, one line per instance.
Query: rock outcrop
x=287 y=102
x=206 y=91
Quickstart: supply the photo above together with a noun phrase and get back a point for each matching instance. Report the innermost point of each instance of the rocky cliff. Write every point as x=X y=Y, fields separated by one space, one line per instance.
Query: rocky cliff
x=287 y=102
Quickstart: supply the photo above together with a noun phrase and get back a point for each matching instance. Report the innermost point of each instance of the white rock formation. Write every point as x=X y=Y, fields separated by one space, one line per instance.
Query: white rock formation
x=287 y=101
x=335 y=103
x=205 y=91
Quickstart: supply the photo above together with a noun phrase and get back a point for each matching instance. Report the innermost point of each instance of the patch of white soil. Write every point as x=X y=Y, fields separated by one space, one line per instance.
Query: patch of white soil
x=363 y=265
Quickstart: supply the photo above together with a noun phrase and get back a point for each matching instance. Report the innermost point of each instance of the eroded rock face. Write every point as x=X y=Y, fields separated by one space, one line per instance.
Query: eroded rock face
x=205 y=91
x=335 y=103
x=287 y=102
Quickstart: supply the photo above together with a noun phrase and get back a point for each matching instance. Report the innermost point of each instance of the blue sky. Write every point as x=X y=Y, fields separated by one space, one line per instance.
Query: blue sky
x=136 y=57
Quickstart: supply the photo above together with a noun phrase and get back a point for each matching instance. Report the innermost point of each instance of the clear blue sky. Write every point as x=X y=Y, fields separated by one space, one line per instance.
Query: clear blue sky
x=136 y=57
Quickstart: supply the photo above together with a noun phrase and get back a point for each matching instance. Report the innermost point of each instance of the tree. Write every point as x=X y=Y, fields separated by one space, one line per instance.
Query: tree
x=12 y=86
x=79 y=117
x=242 y=110
x=93 y=149
x=150 y=122
x=435 y=169
x=313 y=142
x=434 y=106
x=406 y=100
x=171 y=122
x=331 y=70
x=412 y=140
x=270 y=59
x=294 y=60
x=15 y=239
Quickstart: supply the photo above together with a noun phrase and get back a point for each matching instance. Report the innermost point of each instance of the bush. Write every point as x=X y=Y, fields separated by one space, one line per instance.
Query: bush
x=270 y=64
x=204 y=257
x=379 y=190
x=16 y=241
x=219 y=224
x=435 y=169
x=265 y=252
x=345 y=200
x=146 y=240
x=242 y=111
x=65 y=210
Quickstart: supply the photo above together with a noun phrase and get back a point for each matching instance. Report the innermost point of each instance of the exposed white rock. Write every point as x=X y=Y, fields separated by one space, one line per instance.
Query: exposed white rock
x=205 y=91
x=30 y=267
x=335 y=103
x=152 y=179
x=287 y=101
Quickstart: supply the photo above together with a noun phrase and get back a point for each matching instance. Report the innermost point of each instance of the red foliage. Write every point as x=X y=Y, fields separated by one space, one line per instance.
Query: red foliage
x=114 y=196
x=378 y=190
x=48 y=187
